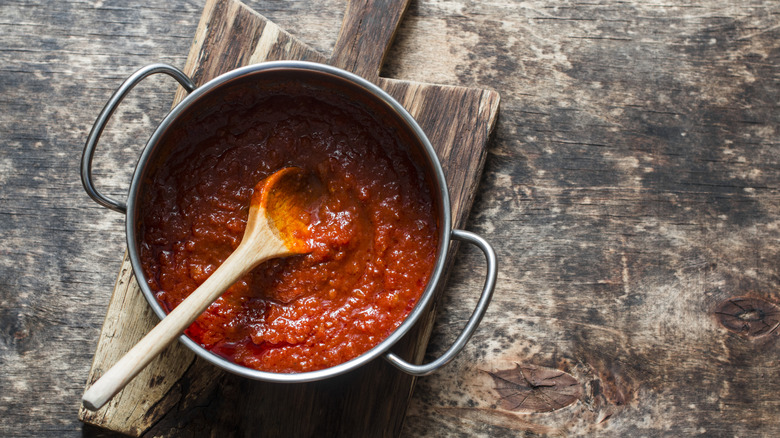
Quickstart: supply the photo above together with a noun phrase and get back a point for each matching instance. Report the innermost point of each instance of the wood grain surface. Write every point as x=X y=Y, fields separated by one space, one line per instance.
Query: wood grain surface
x=163 y=399
x=631 y=190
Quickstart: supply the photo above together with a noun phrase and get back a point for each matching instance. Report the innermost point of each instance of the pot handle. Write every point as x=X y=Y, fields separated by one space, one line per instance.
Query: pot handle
x=102 y=120
x=476 y=316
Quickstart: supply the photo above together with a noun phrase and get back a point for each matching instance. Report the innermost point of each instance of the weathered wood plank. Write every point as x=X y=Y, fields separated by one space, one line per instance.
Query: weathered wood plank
x=458 y=121
x=634 y=187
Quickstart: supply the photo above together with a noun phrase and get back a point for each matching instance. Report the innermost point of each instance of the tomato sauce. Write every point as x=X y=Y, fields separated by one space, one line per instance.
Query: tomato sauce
x=375 y=233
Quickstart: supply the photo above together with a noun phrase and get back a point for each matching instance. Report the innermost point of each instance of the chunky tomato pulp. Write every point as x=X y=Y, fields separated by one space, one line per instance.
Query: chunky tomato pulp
x=374 y=234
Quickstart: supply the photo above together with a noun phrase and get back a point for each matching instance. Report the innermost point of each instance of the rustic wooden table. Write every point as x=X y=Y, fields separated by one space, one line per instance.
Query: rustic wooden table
x=631 y=193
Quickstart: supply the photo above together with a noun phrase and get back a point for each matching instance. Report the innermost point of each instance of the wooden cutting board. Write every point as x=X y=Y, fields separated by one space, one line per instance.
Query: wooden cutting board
x=181 y=395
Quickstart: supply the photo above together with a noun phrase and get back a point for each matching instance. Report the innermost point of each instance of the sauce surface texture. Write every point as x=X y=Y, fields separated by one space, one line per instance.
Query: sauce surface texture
x=375 y=232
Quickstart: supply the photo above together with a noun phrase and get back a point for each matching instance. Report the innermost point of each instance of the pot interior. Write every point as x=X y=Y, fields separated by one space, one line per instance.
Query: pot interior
x=203 y=161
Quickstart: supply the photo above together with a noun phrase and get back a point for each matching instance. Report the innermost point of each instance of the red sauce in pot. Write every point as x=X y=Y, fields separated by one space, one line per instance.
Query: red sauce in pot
x=375 y=233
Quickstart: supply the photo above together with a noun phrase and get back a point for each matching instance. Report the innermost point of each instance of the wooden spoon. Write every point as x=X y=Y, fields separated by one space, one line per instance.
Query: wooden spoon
x=277 y=226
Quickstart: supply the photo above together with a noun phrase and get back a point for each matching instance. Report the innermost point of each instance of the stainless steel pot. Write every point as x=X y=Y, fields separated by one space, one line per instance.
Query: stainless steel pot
x=255 y=77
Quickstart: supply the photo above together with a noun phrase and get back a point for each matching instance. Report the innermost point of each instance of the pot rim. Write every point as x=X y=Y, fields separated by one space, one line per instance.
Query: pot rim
x=375 y=92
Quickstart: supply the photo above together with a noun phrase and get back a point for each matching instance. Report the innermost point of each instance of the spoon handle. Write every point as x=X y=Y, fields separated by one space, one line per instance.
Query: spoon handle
x=135 y=360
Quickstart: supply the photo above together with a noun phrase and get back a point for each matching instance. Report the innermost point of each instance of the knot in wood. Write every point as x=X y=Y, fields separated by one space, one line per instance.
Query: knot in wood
x=531 y=388
x=748 y=316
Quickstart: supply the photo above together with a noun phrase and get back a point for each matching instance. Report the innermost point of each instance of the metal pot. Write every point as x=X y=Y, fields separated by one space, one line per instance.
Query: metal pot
x=255 y=77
